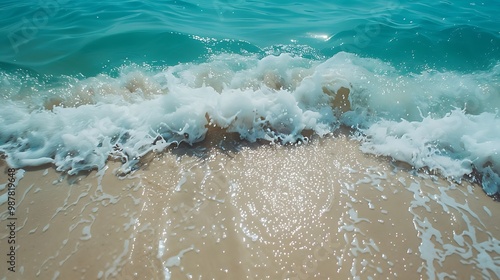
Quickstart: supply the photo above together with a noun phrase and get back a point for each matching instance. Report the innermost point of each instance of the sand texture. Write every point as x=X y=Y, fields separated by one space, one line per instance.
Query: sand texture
x=321 y=210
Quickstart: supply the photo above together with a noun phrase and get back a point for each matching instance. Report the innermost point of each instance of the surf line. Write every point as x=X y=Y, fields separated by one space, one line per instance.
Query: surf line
x=11 y=219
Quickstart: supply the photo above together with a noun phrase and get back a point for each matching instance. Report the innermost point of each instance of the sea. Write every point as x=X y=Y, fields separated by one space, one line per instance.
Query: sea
x=416 y=81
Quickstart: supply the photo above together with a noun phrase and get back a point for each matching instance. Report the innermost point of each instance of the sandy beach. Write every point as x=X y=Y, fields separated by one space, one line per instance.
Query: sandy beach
x=321 y=210
x=249 y=140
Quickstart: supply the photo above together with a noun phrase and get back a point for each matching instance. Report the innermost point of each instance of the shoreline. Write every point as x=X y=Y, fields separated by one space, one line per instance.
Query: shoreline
x=218 y=140
x=323 y=209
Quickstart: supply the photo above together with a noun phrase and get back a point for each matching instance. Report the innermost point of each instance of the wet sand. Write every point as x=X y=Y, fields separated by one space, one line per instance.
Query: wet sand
x=323 y=210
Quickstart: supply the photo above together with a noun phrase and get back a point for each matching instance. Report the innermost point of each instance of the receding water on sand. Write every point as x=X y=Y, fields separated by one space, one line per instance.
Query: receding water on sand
x=321 y=210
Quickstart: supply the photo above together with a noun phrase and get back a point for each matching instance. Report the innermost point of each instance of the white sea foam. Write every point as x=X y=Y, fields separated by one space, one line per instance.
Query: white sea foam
x=453 y=144
x=441 y=120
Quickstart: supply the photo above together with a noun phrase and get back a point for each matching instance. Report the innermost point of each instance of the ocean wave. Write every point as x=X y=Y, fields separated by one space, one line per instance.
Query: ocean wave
x=439 y=120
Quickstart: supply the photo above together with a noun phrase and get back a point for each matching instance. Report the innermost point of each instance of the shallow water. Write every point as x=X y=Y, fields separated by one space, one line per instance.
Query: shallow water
x=318 y=211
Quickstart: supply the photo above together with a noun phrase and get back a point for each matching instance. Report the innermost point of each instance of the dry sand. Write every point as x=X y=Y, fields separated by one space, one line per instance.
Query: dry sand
x=318 y=211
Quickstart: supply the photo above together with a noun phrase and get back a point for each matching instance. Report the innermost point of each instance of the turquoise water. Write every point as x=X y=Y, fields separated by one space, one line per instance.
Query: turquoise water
x=71 y=37
x=78 y=78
